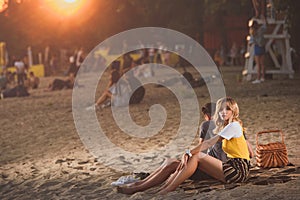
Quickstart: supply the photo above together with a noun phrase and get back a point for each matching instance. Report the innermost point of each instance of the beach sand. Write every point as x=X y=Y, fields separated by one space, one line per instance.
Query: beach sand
x=42 y=156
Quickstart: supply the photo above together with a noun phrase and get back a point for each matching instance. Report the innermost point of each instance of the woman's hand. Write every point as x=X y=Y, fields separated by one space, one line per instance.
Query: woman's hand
x=184 y=160
x=251 y=153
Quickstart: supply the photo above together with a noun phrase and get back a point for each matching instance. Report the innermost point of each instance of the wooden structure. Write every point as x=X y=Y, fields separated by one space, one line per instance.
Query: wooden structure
x=277 y=46
x=3 y=55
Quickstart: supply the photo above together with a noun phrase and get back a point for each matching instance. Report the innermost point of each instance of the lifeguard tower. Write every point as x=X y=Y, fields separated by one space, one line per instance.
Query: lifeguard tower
x=277 y=46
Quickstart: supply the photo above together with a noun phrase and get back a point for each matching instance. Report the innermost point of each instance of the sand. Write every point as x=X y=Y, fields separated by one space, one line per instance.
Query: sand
x=42 y=156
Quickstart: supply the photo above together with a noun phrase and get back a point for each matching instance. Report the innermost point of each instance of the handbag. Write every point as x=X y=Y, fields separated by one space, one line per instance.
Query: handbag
x=272 y=154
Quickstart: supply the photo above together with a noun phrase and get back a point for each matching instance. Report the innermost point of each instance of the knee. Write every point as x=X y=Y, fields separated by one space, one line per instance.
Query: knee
x=200 y=156
x=171 y=164
x=171 y=161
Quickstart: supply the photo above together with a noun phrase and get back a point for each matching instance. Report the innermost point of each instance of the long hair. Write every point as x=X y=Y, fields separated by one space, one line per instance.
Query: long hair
x=230 y=104
x=115 y=76
x=253 y=28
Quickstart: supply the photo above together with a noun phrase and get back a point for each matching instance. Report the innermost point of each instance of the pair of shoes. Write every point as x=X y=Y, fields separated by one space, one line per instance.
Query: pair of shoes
x=106 y=104
x=92 y=108
x=125 y=180
x=262 y=80
x=256 y=81
x=141 y=175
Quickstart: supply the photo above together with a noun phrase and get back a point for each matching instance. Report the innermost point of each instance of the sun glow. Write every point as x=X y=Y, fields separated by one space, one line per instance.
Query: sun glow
x=65 y=7
x=3 y=5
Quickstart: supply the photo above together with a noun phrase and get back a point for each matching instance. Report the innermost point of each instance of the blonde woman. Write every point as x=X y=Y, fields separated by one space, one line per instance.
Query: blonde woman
x=229 y=130
x=172 y=166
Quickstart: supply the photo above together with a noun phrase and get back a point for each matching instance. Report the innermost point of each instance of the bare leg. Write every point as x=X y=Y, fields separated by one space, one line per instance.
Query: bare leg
x=181 y=176
x=172 y=176
x=257 y=60
x=262 y=70
x=161 y=169
x=208 y=164
x=158 y=177
x=213 y=167
x=106 y=95
x=50 y=88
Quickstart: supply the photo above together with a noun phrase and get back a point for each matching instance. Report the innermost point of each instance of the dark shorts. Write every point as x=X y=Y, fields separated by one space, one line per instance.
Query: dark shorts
x=258 y=50
x=236 y=170
x=200 y=175
x=58 y=84
x=18 y=91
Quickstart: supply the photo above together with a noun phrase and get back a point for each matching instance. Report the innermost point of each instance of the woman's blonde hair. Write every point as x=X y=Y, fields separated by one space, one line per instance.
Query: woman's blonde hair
x=232 y=105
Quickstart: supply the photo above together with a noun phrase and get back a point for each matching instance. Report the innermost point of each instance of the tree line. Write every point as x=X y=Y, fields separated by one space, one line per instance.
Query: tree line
x=28 y=22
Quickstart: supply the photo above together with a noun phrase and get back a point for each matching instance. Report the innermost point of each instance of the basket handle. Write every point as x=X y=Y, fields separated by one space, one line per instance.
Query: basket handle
x=270 y=131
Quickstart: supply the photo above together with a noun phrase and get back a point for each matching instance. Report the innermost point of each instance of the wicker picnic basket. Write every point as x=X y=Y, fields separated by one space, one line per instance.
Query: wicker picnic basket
x=271 y=154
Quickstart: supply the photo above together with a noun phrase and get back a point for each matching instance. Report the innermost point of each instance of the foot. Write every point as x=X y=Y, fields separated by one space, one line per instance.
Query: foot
x=262 y=80
x=164 y=192
x=125 y=190
x=256 y=81
x=92 y=108
x=105 y=105
x=125 y=180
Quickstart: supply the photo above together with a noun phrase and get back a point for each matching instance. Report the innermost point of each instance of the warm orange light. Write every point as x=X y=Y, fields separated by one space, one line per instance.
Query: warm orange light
x=3 y=5
x=65 y=7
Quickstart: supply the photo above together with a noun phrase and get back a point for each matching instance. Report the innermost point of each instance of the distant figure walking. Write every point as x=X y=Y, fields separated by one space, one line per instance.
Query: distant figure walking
x=54 y=64
x=20 y=70
x=233 y=55
x=258 y=40
x=73 y=69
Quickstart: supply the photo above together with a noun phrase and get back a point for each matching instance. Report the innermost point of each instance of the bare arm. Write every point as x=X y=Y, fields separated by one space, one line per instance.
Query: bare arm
x=110 y=83
x=205 y=144
x=251 y=153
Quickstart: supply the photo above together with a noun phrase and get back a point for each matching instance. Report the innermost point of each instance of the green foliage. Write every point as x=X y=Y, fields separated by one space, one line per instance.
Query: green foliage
x=235 y=7
x=27 y=23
